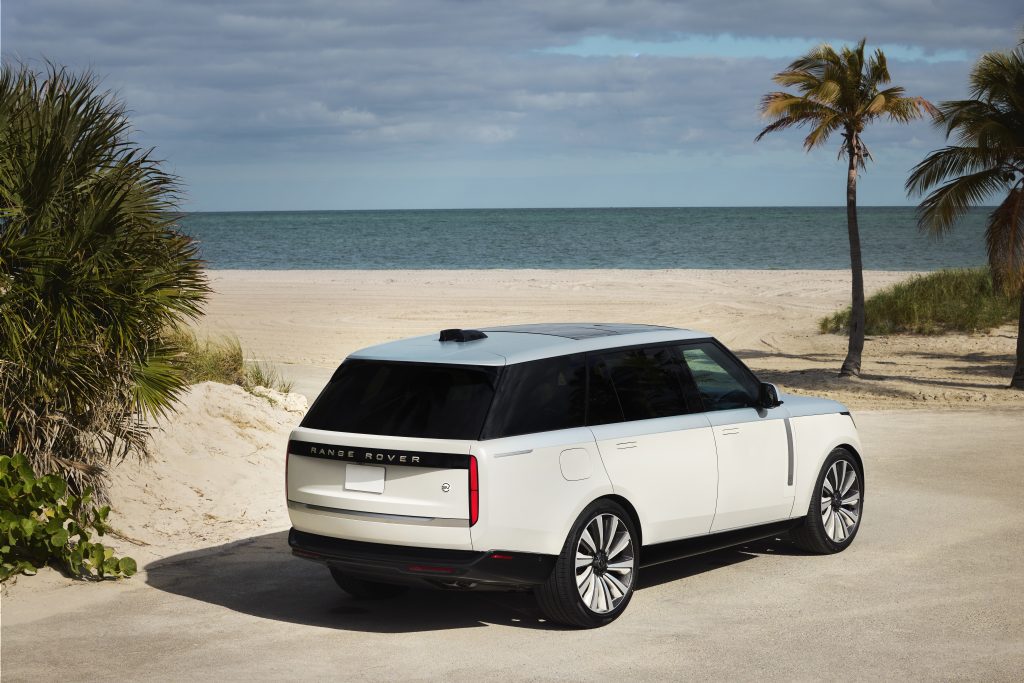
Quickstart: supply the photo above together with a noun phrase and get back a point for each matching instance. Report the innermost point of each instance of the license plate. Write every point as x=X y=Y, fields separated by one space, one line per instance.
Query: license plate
x=364 y=478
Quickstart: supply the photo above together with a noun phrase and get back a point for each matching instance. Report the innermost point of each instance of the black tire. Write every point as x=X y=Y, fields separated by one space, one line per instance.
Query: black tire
x=812 y=534
x=361 y=589
x=560 y=599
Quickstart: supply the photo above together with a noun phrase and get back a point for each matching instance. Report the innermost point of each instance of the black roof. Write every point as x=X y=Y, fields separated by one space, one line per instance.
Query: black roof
x=578 y=330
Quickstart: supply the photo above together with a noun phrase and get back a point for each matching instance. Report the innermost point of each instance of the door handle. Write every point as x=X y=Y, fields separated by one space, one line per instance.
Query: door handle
x=624 y=445
x=730 y=431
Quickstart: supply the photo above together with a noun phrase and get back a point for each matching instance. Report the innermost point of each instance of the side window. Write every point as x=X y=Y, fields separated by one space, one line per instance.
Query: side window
x=539 y=396
x=722 y=383
x=603 y=405
x=644 y=382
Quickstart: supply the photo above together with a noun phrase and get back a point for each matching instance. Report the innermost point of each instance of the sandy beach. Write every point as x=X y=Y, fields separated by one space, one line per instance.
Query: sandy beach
x=932 y=588
x=308 y=321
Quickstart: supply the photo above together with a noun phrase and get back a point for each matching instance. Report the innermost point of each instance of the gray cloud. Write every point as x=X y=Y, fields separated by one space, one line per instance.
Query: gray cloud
x=231 y=82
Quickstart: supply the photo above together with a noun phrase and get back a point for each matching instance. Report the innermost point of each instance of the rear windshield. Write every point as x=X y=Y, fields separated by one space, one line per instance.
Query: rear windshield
x=425 y=400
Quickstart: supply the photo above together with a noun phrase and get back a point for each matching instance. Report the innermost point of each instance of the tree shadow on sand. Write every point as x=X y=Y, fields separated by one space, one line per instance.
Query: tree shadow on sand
x=260 y=577
x=821 y=372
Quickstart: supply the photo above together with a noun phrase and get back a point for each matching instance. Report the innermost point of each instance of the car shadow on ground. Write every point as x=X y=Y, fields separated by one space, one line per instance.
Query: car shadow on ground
x=259 y=576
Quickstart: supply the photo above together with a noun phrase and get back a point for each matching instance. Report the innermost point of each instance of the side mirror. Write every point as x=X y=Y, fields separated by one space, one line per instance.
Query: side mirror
x=768 y=396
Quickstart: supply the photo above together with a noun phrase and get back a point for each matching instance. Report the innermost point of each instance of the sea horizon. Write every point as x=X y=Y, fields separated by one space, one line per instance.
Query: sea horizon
x=645 y=238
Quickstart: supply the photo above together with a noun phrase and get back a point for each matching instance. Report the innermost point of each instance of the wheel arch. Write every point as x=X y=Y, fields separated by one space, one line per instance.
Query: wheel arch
x=630 y=510
x=856 y=456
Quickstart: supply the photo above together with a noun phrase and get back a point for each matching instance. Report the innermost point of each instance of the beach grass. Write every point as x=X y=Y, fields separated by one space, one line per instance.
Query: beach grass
x=954 y=300
x=221 y=359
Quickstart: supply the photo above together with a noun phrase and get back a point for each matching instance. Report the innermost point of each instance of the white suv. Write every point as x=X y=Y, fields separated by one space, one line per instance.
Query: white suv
x=559 y=458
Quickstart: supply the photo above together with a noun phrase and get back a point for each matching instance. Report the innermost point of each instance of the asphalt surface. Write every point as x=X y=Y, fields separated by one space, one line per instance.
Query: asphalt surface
x=933 y=588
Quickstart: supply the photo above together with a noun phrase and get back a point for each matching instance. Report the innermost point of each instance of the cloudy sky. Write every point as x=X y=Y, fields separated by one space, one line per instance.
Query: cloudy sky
x=362 y=104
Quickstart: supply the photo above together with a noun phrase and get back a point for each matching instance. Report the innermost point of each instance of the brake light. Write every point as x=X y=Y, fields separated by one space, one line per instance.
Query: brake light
x=474 y=491
x=286 y=454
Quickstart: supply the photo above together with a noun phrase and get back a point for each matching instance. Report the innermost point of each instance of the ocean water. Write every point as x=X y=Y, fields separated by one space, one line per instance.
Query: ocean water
x=645 y=238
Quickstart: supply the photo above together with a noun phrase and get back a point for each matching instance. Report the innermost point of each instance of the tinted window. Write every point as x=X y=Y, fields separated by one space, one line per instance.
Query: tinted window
x=723 y=384
x=645 y=383
x=603 y=406
x=539 y=396
x=426 y=400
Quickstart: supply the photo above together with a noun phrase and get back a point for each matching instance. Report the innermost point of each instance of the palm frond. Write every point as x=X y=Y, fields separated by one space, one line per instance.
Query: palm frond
x=838 y=91
x=92 y=271
x=945 y=163
x=945 y=206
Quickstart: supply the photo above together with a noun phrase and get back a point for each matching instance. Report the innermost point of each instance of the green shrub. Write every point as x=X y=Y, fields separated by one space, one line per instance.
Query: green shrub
x=92 y=270
x=42 y=523
x=959 y=300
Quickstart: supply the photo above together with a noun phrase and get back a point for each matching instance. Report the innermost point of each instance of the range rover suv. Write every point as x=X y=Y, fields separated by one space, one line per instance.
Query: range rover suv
x=559 y=458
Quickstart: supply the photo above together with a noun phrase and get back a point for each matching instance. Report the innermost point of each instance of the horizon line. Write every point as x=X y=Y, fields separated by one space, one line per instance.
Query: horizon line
x=565 y=208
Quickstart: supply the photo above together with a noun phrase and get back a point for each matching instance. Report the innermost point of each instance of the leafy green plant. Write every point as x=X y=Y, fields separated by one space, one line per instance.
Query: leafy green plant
x=92 y=270
x=955 y=300
x=43 y=523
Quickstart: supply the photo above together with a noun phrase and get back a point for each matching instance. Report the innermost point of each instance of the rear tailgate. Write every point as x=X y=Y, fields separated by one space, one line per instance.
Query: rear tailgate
x=380 y=489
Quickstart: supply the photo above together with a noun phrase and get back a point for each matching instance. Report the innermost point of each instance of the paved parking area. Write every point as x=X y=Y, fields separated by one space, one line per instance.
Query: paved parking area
x=933 y=588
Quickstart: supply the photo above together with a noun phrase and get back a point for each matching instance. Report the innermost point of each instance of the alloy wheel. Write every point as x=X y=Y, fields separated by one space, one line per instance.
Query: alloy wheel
x=840 y=501
x=604 y=563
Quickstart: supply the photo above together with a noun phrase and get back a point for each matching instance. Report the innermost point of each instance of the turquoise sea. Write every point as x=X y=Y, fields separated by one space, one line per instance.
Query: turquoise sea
x=728 y=238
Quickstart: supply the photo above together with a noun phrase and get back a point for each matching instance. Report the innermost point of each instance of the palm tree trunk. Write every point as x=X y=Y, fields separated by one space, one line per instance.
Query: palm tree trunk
x=851 y=366
x=1018 y=373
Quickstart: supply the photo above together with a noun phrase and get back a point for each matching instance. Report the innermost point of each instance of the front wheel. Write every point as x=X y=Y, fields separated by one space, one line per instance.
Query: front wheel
x=362 y=589
x=593 y=578
x=837 y=505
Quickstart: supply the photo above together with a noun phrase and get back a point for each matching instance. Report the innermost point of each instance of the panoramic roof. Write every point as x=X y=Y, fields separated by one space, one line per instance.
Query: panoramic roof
x=521 y=343
x=577 y=330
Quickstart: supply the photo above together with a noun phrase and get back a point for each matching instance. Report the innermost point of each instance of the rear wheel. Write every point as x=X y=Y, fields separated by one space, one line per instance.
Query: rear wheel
x=362 y=589
x=837 y=505
x=595 y=573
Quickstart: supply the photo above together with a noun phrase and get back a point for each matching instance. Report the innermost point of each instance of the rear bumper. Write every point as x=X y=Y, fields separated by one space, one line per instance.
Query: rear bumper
x=437 y=567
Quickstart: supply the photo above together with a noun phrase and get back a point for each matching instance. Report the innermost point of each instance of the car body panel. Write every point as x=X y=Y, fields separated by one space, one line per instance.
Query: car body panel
x=667 y=468
x=526 y=502
x=753 y=467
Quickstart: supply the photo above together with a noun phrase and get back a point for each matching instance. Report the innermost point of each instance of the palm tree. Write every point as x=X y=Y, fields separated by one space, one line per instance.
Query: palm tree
x=92 y=273
x=987 y=160
x=841 y=91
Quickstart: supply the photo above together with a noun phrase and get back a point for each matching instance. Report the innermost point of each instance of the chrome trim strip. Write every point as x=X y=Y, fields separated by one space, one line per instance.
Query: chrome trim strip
x=382 y=516
x=789 y=443
x=505 y=455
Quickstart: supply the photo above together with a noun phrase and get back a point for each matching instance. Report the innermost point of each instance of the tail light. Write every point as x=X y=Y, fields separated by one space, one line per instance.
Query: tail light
x=286 y=455
x=474 y=491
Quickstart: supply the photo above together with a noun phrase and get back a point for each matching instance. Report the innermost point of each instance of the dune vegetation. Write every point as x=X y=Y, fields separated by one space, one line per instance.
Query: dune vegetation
x=222 y=359
x=955 y=300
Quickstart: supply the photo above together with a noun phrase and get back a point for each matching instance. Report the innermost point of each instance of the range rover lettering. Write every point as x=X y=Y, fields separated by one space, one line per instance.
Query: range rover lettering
x=559 y=458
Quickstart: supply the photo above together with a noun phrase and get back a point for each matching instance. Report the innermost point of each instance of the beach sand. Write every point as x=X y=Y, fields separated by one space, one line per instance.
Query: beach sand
x=306 y=322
